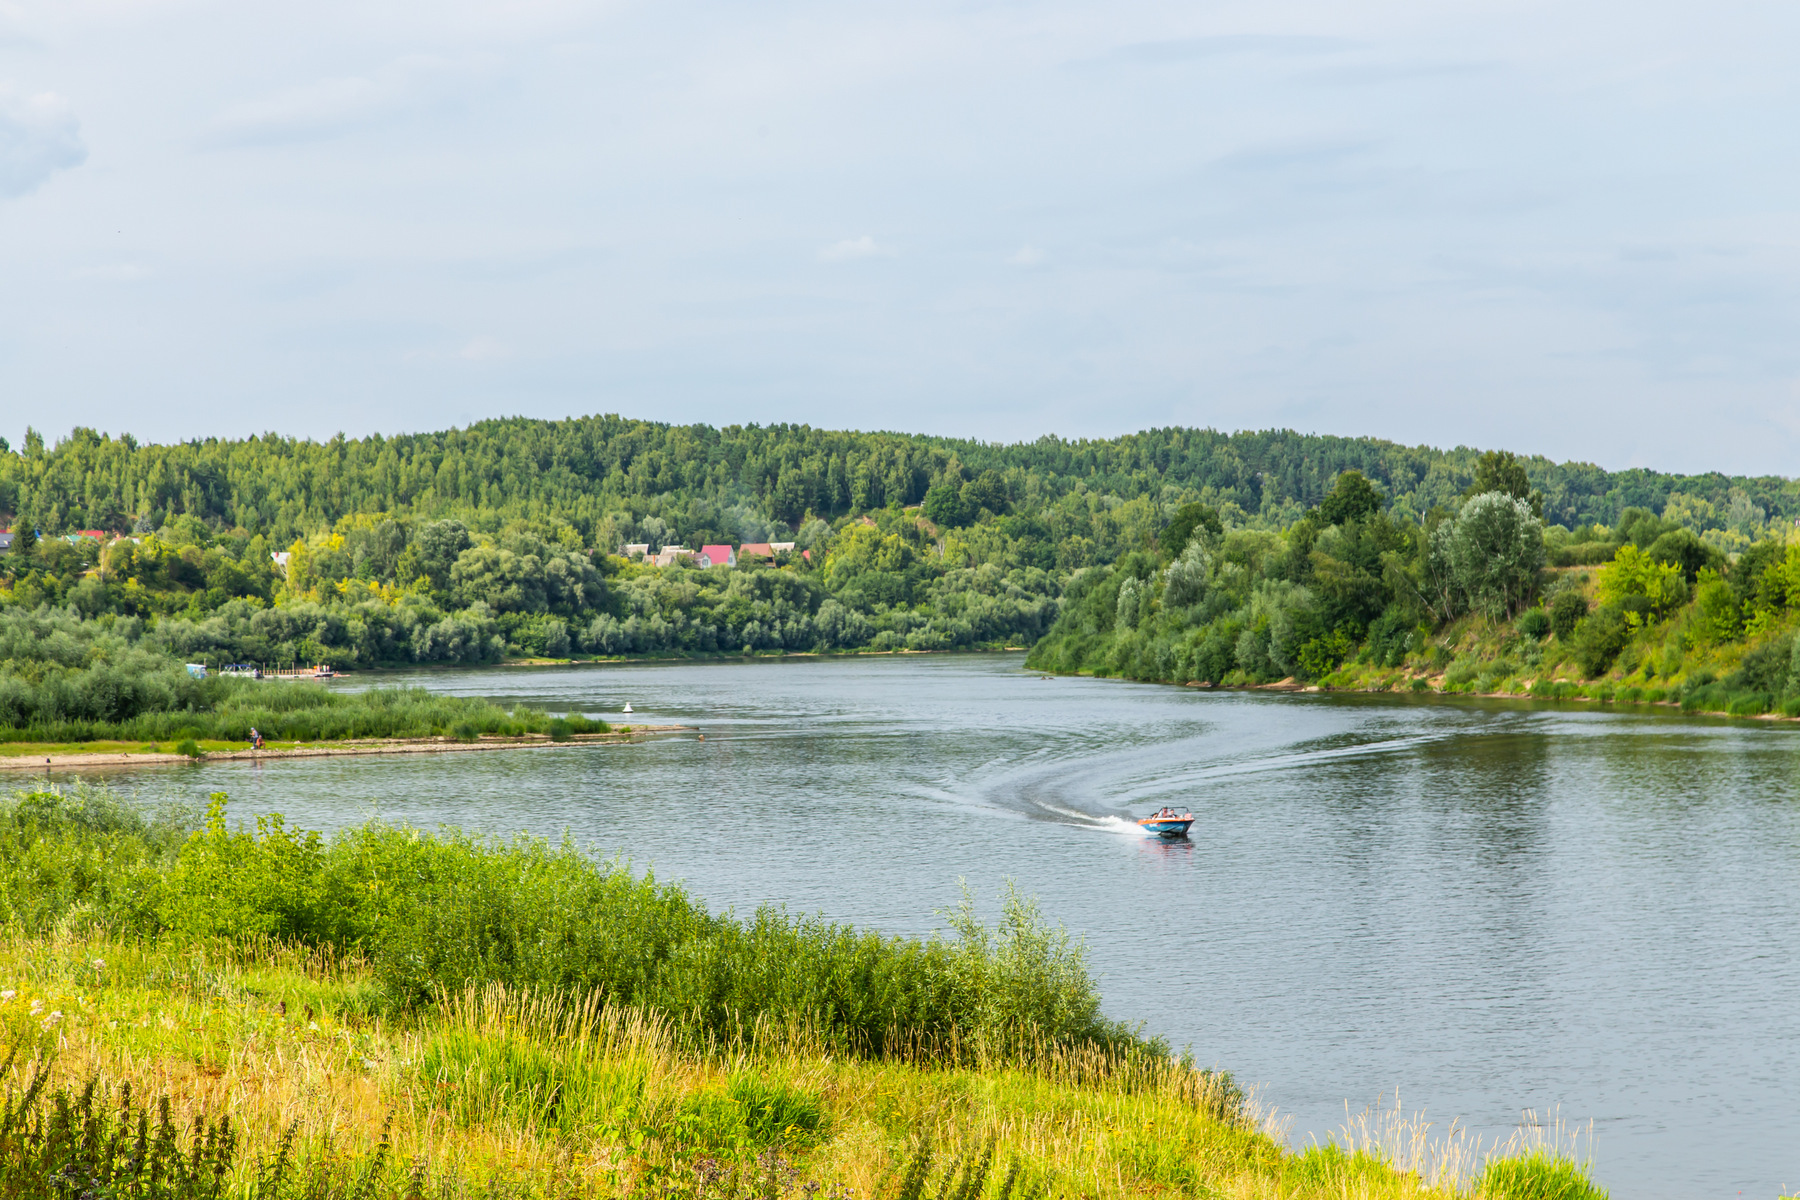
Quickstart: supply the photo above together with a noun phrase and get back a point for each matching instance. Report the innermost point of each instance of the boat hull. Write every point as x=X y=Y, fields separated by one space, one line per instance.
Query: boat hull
x=1166 y=827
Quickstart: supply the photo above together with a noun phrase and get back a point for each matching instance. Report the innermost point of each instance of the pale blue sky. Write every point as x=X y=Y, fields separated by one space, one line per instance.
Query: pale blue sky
x=1563 y=228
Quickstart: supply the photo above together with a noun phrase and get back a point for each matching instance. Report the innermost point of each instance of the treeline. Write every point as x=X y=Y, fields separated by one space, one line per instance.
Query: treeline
x=1483 y=596
x=709 y=484
x=539 y=917
x=500 y=540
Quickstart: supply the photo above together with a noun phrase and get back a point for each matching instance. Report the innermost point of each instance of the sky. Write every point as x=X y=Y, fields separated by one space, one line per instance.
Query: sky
x=1570 y=229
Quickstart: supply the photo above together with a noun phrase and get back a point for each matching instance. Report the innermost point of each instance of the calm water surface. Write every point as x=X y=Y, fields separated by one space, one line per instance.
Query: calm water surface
x=1491 y=907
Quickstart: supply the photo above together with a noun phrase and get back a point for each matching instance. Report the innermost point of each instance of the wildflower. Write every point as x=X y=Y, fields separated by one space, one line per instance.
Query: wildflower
x=8 y=994
x=99 y=964
x=53 y=1020
x=37 y=1006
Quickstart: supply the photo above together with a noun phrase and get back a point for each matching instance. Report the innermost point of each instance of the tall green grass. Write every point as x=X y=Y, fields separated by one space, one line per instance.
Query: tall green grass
x=436 y=914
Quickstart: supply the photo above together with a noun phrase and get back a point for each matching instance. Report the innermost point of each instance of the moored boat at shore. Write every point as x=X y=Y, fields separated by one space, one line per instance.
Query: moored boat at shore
x=1166 y=823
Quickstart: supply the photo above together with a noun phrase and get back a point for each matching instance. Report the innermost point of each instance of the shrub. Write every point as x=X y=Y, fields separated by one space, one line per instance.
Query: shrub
x=1598 y=640
x=1566 y=612
x=189 y=747
x=1461 y=674
x=1534 y=623
x=1537 y=1176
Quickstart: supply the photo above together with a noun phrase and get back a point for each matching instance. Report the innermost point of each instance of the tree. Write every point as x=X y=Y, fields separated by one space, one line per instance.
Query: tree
x=1599 y=639
x=1681 y=547
x=1501 y=471
x=1496 y=550
x=1717 y=617
x=438 y=544
x=1634 y=575
x=1352 y=499
x=24 y=541
x=1566 y=612
x=1185 y=578
x=944 y=506
x=1188 y=520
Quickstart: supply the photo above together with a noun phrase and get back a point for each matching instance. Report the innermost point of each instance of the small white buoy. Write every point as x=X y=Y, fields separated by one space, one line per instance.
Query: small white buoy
x=628 y=706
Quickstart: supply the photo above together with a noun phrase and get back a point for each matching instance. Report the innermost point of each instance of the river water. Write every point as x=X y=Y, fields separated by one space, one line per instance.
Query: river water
x=1491 y=906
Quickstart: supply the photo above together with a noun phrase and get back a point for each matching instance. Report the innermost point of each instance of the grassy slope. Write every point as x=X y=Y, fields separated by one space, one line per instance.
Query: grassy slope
x=1660 y=665
x=464 y=1091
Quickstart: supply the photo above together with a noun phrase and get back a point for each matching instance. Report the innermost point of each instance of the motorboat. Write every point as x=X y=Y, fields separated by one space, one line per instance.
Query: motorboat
x=1167 y=823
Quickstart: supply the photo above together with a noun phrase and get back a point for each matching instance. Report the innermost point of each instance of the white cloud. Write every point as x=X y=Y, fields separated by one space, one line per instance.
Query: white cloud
x=39 y=136
x=1026 y=256
x=120 y=272
x=328 y=107
x=482 y=348
x=853 y=248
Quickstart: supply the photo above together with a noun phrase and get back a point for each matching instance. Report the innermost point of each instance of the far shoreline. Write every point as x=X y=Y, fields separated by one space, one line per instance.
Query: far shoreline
x=61 y=757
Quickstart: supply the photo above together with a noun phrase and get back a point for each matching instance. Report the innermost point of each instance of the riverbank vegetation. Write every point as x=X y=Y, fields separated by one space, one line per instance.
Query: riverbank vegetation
x=392 y=1013
x=1479 y=597
x=68 y=679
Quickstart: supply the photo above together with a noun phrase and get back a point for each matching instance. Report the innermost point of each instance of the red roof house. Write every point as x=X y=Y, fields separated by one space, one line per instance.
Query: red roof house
x=719 y=556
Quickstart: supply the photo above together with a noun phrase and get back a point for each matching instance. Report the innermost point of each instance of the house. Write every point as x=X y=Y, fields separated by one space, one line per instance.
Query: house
x=281 y=558
x=635 y=550
x=667 y=556
x=6 y=537
x=764 y=549
x=718 y=556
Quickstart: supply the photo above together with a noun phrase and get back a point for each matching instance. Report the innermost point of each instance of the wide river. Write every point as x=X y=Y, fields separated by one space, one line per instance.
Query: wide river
x=1489 y=906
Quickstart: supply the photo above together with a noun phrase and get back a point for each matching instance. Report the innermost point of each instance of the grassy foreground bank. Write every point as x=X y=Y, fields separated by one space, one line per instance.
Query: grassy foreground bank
x=390 y=1013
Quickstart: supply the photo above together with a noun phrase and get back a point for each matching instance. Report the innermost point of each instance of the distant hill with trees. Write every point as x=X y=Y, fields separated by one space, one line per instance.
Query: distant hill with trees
x=1166 y=554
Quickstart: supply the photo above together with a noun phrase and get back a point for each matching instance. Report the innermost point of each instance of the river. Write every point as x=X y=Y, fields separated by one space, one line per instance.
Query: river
x=1491 y=906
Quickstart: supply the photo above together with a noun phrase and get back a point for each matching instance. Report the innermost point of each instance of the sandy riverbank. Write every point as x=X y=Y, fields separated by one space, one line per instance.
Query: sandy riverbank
x=64 y=759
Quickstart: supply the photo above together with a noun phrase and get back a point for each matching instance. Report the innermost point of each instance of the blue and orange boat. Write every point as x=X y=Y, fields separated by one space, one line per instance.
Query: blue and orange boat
x=1167 y=823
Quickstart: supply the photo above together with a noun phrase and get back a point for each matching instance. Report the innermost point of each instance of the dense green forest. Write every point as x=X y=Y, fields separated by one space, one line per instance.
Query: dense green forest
x=1169 y=554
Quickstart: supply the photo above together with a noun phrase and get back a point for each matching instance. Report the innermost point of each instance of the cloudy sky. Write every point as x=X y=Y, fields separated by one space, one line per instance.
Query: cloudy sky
x=1564 y=228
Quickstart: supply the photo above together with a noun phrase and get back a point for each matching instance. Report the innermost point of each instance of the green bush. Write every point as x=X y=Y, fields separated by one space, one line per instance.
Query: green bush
x=1566 y=612
x=189 y=747
x=1461 y=675
x=1534 y=623
x=1598 y=640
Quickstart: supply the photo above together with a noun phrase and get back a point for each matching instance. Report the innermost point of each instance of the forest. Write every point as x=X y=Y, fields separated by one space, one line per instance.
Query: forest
x=1172 y=554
